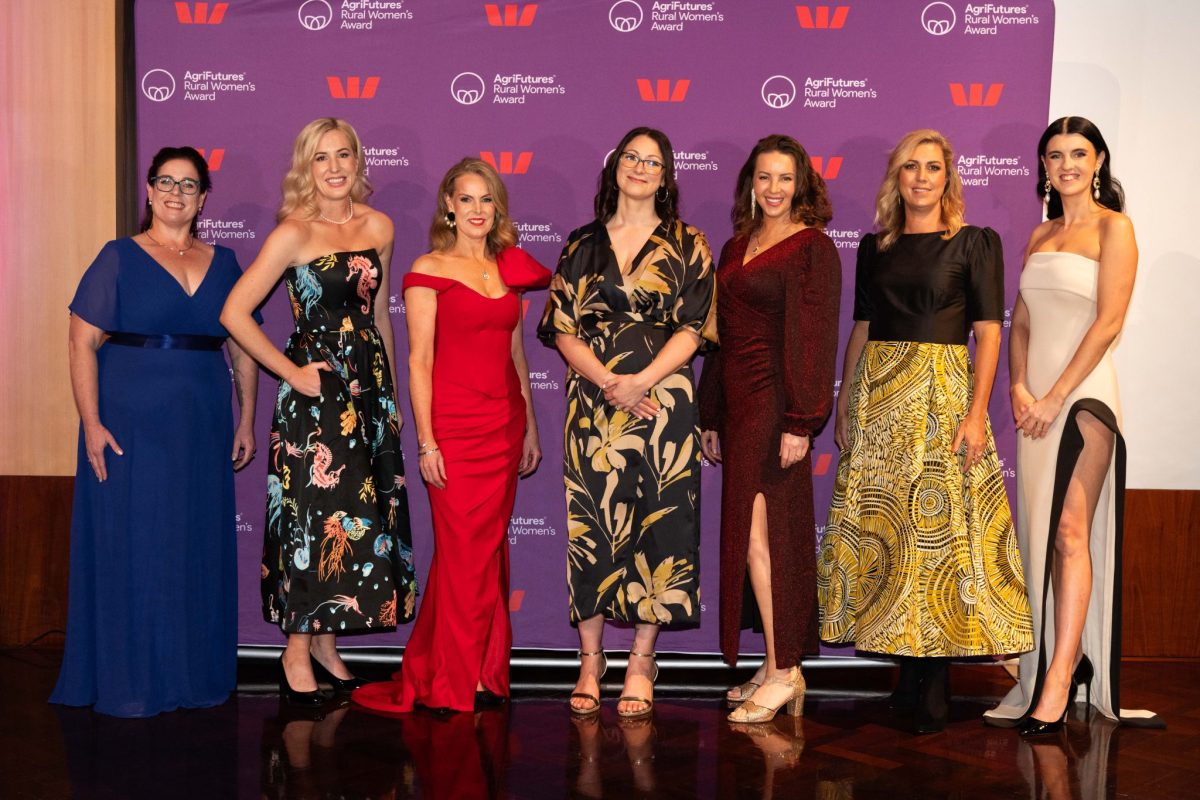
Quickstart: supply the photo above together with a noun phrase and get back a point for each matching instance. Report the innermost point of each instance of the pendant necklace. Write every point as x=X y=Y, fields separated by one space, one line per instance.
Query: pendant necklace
x=191 y=241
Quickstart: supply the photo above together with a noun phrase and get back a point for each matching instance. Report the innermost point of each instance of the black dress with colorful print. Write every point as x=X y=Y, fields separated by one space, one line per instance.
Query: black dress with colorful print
x=337 y=556
x=633 y=485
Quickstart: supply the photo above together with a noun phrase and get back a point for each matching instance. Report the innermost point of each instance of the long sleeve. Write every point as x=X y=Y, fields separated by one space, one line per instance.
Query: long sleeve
x=711 y=394
x=811 y=294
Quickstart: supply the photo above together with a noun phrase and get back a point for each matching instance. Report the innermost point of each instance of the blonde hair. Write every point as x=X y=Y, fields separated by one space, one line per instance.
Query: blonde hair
x=889 y=206
x=503 y=233
x=299 y=190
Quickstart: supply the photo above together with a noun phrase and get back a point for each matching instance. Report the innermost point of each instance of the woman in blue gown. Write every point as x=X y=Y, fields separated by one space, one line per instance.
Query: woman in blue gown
x=151 y=620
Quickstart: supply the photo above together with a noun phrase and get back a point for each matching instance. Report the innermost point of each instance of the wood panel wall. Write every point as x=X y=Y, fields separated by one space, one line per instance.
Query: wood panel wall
x=1161 y=575
x=58 y=78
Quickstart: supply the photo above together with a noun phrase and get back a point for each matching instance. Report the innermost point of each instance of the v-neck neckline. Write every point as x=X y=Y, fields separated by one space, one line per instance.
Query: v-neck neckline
x=208 y=270
x=754 y=256
x=637 y=257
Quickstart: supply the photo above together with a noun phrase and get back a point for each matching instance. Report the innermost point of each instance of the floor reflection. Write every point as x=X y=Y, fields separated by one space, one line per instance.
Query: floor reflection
x=1073 y=765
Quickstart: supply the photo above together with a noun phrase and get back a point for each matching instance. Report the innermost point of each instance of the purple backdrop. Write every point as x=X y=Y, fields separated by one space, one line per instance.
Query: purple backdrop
x=544 y=90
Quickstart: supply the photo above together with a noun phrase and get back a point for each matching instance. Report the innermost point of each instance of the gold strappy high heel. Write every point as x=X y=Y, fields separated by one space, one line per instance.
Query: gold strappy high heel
x=594 y=708
x=744 y=691
x=649 y=704
x=794 y=705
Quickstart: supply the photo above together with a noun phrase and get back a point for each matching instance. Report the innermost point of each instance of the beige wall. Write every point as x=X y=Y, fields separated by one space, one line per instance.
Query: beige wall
x=58 y=61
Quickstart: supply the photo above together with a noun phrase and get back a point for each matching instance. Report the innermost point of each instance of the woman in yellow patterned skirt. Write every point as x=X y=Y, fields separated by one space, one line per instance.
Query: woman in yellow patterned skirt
x=920 y=559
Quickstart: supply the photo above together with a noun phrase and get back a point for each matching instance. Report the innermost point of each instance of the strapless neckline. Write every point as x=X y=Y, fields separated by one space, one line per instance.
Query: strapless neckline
x=1063 y=253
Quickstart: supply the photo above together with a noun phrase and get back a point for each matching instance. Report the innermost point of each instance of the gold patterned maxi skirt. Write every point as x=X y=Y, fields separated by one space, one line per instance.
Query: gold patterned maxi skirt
x=919 y=559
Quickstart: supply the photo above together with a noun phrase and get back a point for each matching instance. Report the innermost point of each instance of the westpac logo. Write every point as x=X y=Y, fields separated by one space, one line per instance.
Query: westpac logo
x=198 y=13
x=778 y=91
x=352 y=87
x=513 y=16
x=467 y=88
x=662 y=91
x=212 y=157
x=822 y=18
x=821 y=463
x=625 y=16
x=158 y=85
x=315 y=14
x=827 y=169
x=938 y=18
x=506 y=164
x=975 y=94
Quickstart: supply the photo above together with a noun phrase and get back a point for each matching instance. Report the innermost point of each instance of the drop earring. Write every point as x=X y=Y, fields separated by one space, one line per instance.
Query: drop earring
x=449 y=219
x=753 y=204
x=1096 y=185
x=1046 y=186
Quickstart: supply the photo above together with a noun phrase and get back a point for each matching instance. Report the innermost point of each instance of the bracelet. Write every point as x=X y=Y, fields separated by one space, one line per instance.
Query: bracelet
x=425 y=450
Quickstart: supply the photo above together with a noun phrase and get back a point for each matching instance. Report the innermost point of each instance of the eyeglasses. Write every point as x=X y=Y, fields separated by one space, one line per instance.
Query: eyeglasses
x=165 y=183
x=631 y=160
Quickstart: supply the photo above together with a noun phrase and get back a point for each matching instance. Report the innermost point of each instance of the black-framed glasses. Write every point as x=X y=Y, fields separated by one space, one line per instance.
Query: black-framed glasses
x=165 y=183
x=653 y=165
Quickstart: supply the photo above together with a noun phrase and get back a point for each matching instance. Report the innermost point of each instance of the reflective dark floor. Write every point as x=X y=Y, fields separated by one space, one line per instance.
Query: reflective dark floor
x=847 y=745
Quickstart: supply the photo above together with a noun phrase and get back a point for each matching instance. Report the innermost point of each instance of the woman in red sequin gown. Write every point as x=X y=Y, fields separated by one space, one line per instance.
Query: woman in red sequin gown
x=471 y=405
x=763 y=396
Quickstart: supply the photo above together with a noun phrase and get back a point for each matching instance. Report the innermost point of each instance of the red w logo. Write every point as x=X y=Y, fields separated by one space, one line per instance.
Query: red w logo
x=214 y=157
x=514 y=15
x=827 y=169
x=821 y=463
x=973 y=94
x=504 y=165
x=660 y=91
x=200 y=15
x=822 y=19
x=353 y=89
x=515 y=599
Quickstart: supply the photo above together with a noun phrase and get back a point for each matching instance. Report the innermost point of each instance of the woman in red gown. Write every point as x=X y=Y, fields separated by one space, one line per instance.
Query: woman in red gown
x=763 y=396
x=475 y=425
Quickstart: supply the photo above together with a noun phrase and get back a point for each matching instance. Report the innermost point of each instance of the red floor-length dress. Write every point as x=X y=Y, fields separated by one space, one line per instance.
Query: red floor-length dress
x=462 y=634
x=777 y=321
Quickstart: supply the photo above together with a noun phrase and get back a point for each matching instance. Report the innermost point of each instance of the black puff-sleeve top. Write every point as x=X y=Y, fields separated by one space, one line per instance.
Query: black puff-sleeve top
x=929 y=289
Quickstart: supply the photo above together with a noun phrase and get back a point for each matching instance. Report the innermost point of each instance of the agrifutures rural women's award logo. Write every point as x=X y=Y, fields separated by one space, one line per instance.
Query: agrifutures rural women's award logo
x=979 y=19
x=158 y=85
x=356 y=15
x=468 y=88
x=627 y=16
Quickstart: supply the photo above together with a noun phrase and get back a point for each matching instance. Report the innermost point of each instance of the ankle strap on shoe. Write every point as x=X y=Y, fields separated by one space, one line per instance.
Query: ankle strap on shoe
x=651 y=654
x=581 y=654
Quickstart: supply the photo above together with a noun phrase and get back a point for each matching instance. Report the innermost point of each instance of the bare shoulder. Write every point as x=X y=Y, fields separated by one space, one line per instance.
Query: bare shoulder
x=288 y=239
x=1114 y=224
x=1040 y=234
x=430 y=264
x=379 y=224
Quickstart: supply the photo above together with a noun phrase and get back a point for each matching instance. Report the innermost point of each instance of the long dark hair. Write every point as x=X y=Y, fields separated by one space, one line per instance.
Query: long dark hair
x=1112 y=196
x=810 y=203
x=170 y=154
x=606 y=187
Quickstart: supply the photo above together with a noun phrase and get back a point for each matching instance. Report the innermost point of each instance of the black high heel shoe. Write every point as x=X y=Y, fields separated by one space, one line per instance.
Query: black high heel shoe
x=1083 y=674
x=340 y=686
x=933 y=703
x=1036 y=727
x=314 y=699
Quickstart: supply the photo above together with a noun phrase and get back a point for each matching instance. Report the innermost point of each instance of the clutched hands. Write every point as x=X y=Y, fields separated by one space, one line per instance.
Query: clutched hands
x=630 y=394
x=1034 y=417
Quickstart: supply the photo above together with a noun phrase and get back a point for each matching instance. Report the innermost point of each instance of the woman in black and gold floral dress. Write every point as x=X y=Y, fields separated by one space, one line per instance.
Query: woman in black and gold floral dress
x=337 y=554
x=632 y=301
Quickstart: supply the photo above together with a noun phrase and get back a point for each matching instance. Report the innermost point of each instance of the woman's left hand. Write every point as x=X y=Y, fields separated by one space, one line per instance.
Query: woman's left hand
x=531 y=453
x=625 y=392
x=973 y=432
x=1039 y=416
x=243 y=447
x=792 y=449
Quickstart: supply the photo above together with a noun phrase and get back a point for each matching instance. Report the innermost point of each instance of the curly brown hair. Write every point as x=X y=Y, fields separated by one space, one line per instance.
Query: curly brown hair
x=810 y=203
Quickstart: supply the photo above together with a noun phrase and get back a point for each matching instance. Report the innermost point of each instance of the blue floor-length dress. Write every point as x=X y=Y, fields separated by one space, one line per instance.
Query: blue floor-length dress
x=152 y=614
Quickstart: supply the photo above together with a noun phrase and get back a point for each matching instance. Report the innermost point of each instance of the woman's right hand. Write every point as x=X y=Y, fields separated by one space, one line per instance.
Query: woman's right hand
x=710 y=446
x=433 y=468
x=1022 y=399
x=841 y=428
x=96 y=437
x=307 y=379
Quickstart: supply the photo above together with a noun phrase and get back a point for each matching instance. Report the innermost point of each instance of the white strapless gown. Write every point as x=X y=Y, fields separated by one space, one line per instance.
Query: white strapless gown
x=1059 y=289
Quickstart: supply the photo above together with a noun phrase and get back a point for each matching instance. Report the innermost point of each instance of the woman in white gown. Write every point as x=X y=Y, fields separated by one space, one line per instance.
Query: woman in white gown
x=1075 y=289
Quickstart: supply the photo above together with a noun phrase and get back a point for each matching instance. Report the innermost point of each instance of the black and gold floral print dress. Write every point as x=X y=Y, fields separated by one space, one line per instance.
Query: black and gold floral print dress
x=337 y=555
x=633 y=485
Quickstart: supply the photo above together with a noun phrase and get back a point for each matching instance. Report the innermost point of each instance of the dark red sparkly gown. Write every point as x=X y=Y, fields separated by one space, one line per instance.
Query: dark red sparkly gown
x=777 y=319
x=463 y=634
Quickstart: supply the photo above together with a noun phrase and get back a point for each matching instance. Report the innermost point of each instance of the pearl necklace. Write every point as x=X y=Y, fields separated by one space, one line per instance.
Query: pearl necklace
x=191 y=241
x=349 y=216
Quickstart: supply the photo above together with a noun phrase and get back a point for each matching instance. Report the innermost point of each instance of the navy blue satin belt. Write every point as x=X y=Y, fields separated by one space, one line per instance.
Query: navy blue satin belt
x=166 y=341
